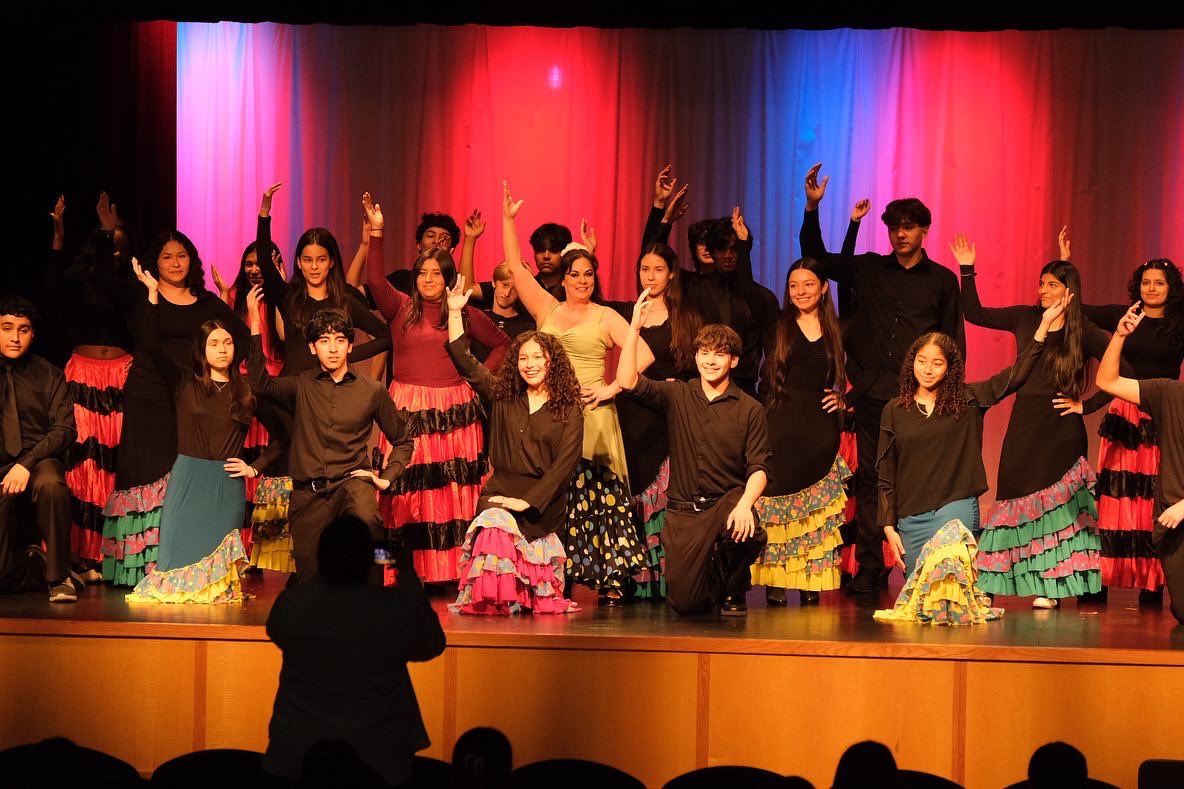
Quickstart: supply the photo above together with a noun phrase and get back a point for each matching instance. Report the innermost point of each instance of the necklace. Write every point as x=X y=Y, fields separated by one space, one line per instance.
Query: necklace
x=220 y=385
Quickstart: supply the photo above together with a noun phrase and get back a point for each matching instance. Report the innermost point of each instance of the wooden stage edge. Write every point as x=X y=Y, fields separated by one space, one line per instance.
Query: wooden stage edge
x=652 y=693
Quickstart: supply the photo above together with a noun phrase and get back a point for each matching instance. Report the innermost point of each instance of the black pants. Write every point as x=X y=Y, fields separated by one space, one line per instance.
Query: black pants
x=309 y=513
x=1170 y=545
x=50 y=500
x=869 y=533
x=703 y=563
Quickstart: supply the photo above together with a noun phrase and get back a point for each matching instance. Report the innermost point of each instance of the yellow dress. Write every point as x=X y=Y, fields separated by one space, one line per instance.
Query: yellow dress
x=600 y=537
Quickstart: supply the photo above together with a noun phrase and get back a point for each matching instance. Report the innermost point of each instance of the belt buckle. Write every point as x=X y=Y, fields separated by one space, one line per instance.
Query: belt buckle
x=696 y=501
x=317 y=485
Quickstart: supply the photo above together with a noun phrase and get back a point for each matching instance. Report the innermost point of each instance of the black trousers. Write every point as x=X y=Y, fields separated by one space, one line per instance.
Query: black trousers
x=50 y=500
x=869 y=534
x=703 y=563
x=309 y=513
x=1170 y=545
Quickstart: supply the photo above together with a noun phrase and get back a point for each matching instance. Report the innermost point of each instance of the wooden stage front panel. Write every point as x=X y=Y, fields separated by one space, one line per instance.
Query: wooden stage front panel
x=639 y=688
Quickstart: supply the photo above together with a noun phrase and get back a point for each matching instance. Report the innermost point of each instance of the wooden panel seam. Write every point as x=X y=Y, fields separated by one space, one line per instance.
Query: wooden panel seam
x=201 y=671
x=958 y=767
x=703 y=711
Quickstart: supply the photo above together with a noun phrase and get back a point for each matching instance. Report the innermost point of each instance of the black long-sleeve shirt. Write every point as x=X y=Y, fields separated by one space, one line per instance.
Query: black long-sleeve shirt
x=44 y=410
x=896 y=306
x=297 y=358
x=86 y=297
x=331 y=420
x=925 y=462
x=1151 y=349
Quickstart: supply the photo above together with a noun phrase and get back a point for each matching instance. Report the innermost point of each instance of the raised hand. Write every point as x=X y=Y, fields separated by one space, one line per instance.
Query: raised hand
x=1131 y=320
x=108 y=218
x=677 y=207
x=1057 y=308
x=588 y=235
x=254 y=305
x=365 y=228
x=962 y=250
x=1063 y=243
x=236 y=467
x=146 y=279
x=815 y=189
x=458 y=297
x=58 y=212
x=641 y=309
x=663 y=187
x=738 y=224
x=510 y=208
x=1067 y=405
x=860 y=209
x=265 y=203
x=220 y=284
x=373 y=212
x=474 y=225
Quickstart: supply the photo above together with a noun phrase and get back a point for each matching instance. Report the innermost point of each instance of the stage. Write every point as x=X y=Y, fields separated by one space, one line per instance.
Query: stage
x=639 y=687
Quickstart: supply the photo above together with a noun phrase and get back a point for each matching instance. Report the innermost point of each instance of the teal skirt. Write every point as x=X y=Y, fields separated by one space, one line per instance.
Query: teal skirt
x=202 y=505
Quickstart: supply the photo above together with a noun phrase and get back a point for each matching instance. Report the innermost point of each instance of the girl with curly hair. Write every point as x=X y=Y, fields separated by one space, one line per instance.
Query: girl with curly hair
x=930 y=469
x=512 y=557
x=1041 y=538
x=1128 y=462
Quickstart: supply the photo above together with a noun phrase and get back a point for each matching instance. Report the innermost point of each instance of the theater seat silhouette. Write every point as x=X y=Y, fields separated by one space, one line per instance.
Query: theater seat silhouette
x=915 y=779
x=1161 y=774
x=730 y=776
x=572 y=774
x=202 y=769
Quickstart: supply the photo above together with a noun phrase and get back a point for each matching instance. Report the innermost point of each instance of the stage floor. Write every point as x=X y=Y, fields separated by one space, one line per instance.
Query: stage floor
x=841 y=625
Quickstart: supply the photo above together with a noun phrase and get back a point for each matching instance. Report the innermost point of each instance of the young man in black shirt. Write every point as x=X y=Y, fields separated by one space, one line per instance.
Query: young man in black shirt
x=902 y=295
x=333 y=409
x=37 y=424
x=719 y=453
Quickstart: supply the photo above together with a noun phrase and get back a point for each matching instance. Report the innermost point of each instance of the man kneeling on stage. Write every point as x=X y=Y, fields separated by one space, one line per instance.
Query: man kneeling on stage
x=333 y=409
x=37 y=423
x=719 y=451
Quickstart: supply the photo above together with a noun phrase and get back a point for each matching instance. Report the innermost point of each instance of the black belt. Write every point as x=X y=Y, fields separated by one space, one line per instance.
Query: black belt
x=696 y=504
x=318 y=485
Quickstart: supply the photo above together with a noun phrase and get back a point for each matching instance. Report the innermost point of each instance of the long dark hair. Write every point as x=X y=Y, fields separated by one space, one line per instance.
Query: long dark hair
x=242 y=399
x=1172 y=328
x=447 y=271
x=195 y=280
x=569 y=259
x=951 y=392
x=242 y=286
x=777 y=372
x=298 y=286
x=563 y=388
x=1070 y=372
x=685 y=319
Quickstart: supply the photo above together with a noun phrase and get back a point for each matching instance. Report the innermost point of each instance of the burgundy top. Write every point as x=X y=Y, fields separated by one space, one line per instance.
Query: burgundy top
x=420 y=353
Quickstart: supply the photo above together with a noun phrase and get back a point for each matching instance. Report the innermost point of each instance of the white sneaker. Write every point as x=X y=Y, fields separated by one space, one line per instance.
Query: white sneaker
x=1044 y=602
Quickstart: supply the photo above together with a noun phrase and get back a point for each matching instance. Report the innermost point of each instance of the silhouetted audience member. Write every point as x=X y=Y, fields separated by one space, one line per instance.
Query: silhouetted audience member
x=345 y=648
x=481 y=759
x=60 y=762
x=866 y=764
x=1058 y=765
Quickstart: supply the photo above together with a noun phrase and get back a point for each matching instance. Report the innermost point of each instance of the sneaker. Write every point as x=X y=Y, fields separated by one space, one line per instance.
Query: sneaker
x=79 y=582
x=63 y=592
x=1044 y=602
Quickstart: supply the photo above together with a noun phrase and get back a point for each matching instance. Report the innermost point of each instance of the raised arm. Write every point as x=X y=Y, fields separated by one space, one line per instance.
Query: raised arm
x=458 y=348
x=355 y=275
x=1009 y=380
x=474 y=228
x=537 y=301
x=841 y=268
x=1104 y=316
x=275 y=290
x=486 y=332
x=1095 y=343
x=385 y=295
x=282 y=389
x=858 y=212
x=1001 y=318
x=654 y=393
x=1110 y=378
x=668 y=207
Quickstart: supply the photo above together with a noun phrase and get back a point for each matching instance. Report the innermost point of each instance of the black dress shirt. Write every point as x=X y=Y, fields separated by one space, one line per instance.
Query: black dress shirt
x=44 y=409
x=331 y=420
x=715 y=445
x=896 y=306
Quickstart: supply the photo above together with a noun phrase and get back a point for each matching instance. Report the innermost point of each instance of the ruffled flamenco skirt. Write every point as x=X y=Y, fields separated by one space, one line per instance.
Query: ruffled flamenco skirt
x=1127 y=479
x=271 y=546
x=96 y=388
x=503 y=573
x=1045 y=544
x=803 y=531
x=941 y=590
x=650 y=582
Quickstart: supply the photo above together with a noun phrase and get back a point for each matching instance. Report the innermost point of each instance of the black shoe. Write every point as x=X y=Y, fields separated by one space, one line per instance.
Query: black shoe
x=611 y=598
x=864 y=582
x=733 y=606
x=808 y=598
x=1151 y=599
x=775 y=597
x=1093 y=598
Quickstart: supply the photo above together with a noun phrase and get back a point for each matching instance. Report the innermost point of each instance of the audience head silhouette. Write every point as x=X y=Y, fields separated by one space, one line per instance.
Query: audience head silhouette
x=1058 y=764
x=345 y=552
x=864 y=764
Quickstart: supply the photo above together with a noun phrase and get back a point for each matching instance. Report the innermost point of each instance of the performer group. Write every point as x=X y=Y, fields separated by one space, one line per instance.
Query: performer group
x=743 y=437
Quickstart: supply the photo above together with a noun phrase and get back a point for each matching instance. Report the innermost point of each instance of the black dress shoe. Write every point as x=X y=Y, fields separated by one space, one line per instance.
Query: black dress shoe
x=775 y=597
x=611 y=598
x=808 y=598
x=1152 y=599
x=1093 y=598
x=864 y=582
x=733 y=606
